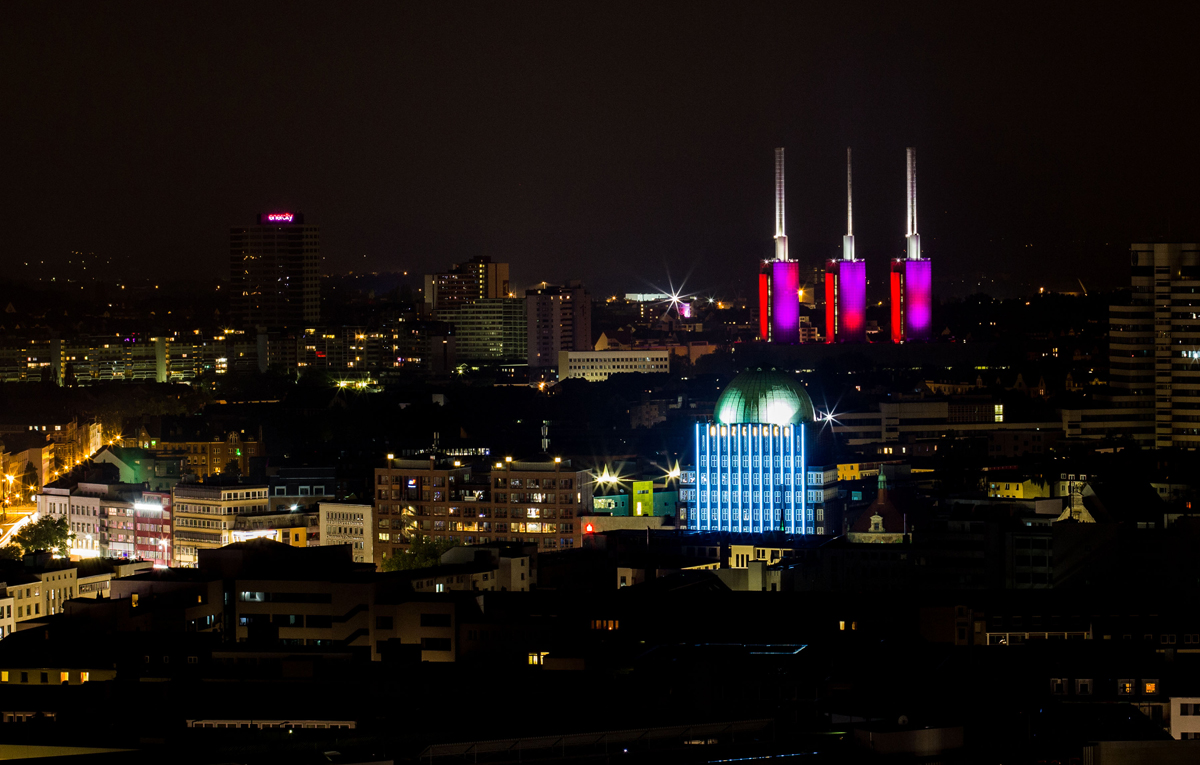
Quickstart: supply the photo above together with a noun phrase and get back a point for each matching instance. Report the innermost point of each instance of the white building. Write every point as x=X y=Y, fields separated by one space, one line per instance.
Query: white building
x=1185 y=717
x=596 y=366
x=81 y=507
x=347 y=524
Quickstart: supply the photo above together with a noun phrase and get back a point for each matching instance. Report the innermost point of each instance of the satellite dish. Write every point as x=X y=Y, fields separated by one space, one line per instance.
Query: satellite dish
x=903 y=720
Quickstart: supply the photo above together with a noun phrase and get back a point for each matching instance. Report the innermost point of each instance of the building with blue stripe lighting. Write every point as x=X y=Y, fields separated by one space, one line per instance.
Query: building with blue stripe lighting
x=751 y=472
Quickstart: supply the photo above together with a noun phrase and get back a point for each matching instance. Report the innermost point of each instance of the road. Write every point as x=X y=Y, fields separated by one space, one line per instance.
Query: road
x=18 y=516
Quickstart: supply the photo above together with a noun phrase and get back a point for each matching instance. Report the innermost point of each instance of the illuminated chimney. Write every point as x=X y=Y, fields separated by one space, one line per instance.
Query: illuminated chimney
x=914 y=239
x=781 y=250
x=848 y=239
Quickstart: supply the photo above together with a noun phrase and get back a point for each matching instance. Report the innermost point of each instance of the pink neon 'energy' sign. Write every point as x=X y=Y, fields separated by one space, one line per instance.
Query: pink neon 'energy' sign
x=280 y=217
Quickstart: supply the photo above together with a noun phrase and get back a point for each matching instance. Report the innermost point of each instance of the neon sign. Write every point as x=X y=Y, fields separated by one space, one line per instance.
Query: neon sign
x=280 y=217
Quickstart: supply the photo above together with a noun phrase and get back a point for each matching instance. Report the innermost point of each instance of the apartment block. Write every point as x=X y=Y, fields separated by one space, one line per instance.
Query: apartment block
x=507 y=500
x=343 y=523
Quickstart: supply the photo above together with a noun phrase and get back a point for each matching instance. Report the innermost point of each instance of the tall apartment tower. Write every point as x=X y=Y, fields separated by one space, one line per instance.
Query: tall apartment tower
x=1154 y=346
x=911 y=287
x=274 y=272
x=846 y=283
x=477 y=279
x=557 y=319
x=779 y=280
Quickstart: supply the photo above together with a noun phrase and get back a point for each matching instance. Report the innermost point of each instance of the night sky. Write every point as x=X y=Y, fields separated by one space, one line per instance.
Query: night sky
x=618 y=143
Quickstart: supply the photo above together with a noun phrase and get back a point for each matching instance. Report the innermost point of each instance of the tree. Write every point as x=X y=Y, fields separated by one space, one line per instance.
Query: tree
x=10 y=552
x=52 y=534
x=421 y=553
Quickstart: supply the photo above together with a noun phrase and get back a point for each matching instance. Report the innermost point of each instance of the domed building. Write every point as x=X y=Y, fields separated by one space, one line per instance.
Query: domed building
x=752 y=471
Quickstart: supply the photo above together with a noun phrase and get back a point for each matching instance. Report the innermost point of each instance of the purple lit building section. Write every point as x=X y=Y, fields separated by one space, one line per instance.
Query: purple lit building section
x=852 y=302
x=918 y=299
x=785 y=302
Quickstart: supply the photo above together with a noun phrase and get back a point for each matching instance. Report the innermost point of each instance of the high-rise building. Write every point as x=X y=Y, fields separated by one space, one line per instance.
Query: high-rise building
x=846 y=284
x=491 y=330
x=557 y=319
x=779 y=280
x=752 y=471
x=477 y=279
x=1153 y=348
x=274 y=274
x=911 y=286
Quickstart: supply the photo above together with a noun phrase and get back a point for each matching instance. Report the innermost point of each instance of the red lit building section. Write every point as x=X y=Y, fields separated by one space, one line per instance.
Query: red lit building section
x=897 y=304
x=764 y=305
x=831 y=290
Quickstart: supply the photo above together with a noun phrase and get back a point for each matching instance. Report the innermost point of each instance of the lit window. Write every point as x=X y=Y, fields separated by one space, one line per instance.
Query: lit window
x=64 y=677
x=1149 y=687
x=4 y=677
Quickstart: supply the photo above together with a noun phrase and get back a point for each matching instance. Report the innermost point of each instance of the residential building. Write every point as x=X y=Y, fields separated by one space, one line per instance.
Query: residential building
x=504 y=501
x=558 y=319
x=490 y=331
x=597 y=366
x=203 y=515
x=202 y=455
x=1154 y=343
x=39 y=586
x=275 y=271
x=477 y=279
x=8 y=622
x=158 y=469
x=344 y=523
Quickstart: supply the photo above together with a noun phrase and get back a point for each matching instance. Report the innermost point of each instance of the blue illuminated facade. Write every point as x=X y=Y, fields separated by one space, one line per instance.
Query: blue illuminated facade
x=749 y=478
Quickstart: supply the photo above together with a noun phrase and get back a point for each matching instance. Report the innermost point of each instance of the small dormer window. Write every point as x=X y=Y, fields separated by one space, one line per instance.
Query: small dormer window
x=877 y=523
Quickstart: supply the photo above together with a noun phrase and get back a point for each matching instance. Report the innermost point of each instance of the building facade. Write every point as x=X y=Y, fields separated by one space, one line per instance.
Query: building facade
x=751 y=472
x=275 y=271
x=203 y=516
x=504 y=501
x=477 y=279
x=557 y=319
x=597 y=366
x=343 y=523
x=490 y=331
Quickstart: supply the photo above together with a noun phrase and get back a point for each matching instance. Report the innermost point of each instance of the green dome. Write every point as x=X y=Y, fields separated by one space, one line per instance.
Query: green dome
x=765 y=397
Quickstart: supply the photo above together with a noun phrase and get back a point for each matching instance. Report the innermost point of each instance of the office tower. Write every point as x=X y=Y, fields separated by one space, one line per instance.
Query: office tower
x=846 y=283
x=911 y=287
x=779 y=280
x=274 y=271
x=557 y=319
x=477 y=279
x=752 y=472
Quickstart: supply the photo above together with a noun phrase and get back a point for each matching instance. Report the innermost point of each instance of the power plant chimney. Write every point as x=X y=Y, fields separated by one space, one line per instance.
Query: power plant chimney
x=781 y=251
x=848 y=239
x=914 y=239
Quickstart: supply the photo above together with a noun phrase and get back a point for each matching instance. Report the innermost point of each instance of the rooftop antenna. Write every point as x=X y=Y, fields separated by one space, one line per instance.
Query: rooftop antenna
x=848 y=240
x=781 y=252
